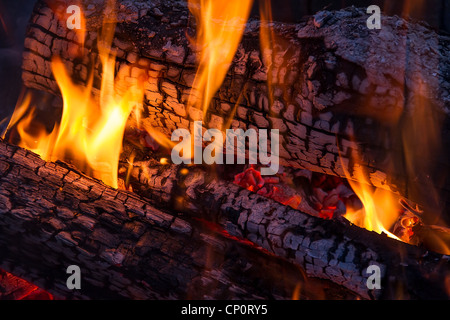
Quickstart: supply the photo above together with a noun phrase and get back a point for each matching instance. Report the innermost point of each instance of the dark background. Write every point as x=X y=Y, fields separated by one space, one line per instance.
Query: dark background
x=14 y=15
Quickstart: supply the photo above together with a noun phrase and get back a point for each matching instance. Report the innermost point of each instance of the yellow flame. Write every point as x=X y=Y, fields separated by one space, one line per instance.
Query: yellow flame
x=91 y=130
x=380 y=207
x=129 y=170
x=421 y=133
x=23 y=105
x=38 y=141
x=220 y=25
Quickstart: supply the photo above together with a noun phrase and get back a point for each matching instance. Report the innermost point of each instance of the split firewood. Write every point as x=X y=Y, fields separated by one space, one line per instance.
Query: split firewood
x=337 y=88
x=52 y=216
x=329 y=249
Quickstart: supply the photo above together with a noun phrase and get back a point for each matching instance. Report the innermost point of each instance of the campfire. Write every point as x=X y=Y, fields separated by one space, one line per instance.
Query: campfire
x=204 y=150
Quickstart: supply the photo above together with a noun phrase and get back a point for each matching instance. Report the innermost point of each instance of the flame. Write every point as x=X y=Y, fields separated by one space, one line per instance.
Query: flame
x=421 y=132
x=129 y=170
x=22 y=107
x=421 y=141
x=3 y=24
x=380 y=207
x=296 y=294
x=91 y=129
x=38 y=140
x=413 y=9
x=267 y=42
x=220 y=25
x=158 y=136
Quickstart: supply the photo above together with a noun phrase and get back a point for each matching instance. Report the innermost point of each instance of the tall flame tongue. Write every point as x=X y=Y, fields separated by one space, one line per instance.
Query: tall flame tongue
x=91 y=129
x=220 y=25
x=268 y=43
x=380 y=207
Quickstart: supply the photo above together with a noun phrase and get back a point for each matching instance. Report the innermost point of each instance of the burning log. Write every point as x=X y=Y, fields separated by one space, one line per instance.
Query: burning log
x=313 y=82
x=328 y=249
x=52 y=216
x=332 y=87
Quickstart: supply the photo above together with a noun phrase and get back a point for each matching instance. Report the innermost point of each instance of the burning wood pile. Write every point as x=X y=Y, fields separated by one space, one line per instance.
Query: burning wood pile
x=188 y=150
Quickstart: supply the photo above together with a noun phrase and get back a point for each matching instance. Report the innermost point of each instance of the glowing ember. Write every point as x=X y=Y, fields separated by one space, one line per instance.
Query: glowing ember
x=270 y=187
x=15 y=288
x=249 y=179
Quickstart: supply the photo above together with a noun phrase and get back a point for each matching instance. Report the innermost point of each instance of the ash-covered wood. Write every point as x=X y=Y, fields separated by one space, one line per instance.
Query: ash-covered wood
x=52 y=216
x=338 y=88
x=329 y=249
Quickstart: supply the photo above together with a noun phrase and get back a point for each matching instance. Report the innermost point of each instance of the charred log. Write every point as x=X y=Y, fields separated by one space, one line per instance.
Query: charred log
x=328 y=249
x=52 y=216
x=338 y=88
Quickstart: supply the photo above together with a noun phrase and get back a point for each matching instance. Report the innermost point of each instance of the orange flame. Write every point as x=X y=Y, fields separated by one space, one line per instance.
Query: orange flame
x=380 y=207
x=220 y=26
x=296 y=294
x=267 y=42
x=160 y=137
x=22 y=107
x=91 y=130
x=3 y=25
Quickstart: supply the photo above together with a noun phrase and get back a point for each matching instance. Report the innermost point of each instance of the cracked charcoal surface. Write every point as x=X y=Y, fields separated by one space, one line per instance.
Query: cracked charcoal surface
x=330 y=81
x=316 y=80
x=53 y=216
x=326 y=249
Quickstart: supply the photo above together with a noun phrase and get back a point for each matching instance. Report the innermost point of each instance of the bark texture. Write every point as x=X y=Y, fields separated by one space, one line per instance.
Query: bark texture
x=337 y=89
x=52 y=216
x=326 y=249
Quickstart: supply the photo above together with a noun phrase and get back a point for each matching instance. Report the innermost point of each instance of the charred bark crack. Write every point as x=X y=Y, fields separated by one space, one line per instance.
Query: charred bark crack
x=337 y=81
x=327 y=249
